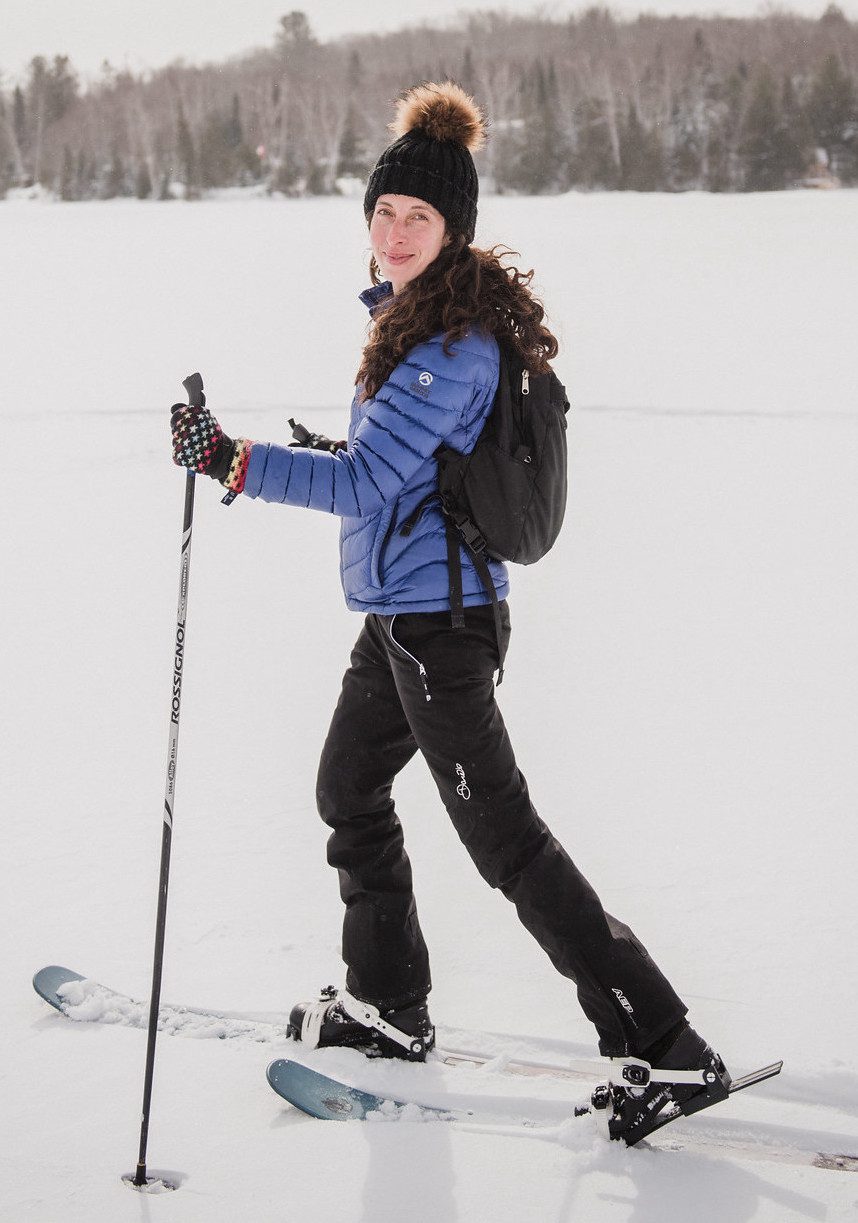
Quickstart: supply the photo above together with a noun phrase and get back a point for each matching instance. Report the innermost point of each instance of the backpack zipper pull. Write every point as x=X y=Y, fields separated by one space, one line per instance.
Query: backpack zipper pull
x=525 y=382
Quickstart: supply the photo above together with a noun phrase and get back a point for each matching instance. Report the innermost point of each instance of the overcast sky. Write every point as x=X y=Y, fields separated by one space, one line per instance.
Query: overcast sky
x=140 y=34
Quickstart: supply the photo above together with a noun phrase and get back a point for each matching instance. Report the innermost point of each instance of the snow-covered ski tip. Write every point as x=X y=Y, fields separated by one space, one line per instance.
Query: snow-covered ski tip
x=84 y=1000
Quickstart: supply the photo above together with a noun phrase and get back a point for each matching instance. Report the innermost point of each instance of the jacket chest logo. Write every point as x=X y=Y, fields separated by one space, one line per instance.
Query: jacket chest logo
x=421 y=386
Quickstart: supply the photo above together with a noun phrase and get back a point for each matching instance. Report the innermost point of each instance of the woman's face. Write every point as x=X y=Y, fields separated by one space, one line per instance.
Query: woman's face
x=406 y=234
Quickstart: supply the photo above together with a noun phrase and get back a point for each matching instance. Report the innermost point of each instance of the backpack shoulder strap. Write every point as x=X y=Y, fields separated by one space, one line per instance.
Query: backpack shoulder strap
x=455 y=540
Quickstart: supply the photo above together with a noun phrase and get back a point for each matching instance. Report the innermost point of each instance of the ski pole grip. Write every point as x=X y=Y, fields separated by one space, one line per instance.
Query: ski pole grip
x=193 y=384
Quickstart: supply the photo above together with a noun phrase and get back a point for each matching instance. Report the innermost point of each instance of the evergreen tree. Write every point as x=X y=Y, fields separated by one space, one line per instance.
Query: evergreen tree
x=37 y=87
x=295 y=41
x=317 y=180
x=722 y=168
x=216 y=158
x=693 y=113
x=37 y=111
x=234 y=135
x=61 y=88
x=539 y=155
x=114 y=183
x=593 y=163
x=224 y=159
x=355 y=75
x=51 y=90
x=83 y=185
x=832 y=111
x=295 y=30
x=687 y=147
x=833 y=18
x=767 y=149
x=352 y=156
x=287 y=177
x=641 y=156
x=7 y=158
x=143 y=181
x=186 y=155
x=19 y=119
x=467 y=75
x=68 y=176
x=799 y=134
x=87 y=176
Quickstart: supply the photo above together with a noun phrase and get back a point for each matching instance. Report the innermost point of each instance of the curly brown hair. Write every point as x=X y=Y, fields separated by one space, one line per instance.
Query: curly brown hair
x=463 y=287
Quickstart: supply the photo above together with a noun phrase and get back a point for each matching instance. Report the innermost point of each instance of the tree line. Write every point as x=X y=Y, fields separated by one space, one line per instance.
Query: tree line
x=588 y=102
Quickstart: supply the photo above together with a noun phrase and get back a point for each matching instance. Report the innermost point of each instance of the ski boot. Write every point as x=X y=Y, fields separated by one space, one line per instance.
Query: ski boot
x=340 y=1019
x=635 y=1111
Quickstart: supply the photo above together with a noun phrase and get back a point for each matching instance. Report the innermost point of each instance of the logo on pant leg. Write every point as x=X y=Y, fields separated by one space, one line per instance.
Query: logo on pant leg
x=623 y=1001
x=462 y=789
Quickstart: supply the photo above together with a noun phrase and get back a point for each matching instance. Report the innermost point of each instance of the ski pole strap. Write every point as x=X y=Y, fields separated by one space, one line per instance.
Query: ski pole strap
x=312 y=441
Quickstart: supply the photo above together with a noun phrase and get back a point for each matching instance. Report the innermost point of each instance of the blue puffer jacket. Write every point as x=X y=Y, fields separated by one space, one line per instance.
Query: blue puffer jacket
x=387 y=469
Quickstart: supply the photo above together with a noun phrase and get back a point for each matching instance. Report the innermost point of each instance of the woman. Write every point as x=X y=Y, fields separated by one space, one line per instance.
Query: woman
x=428 y=376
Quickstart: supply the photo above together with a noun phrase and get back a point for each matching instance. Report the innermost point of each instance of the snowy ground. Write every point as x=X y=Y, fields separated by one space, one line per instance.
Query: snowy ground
x=681 y=690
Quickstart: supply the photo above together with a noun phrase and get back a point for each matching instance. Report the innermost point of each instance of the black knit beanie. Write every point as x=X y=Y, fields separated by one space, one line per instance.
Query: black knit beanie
x=438 y=126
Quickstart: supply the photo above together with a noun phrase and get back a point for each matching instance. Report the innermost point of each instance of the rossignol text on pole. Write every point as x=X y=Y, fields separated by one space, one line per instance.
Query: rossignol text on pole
x=193 y=384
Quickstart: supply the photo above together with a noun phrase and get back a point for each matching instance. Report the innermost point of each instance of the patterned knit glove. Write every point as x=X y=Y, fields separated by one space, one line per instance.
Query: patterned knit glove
x=200 y=443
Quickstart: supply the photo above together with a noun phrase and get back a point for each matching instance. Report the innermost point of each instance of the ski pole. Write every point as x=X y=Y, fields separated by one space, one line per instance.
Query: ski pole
x=193 y=384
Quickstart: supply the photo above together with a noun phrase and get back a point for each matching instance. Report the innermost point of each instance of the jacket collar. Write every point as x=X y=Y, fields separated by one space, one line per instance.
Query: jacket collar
x=376 y=295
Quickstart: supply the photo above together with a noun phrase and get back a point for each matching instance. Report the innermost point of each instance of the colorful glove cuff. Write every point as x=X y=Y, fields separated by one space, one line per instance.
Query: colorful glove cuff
x=237 y=474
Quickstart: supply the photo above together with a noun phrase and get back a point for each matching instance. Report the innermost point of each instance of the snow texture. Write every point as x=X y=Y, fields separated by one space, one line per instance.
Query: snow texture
x=680 y=690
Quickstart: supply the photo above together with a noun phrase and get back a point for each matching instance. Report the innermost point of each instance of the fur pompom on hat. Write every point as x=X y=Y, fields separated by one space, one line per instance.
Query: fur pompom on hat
x=441 y=112
x=438 y=128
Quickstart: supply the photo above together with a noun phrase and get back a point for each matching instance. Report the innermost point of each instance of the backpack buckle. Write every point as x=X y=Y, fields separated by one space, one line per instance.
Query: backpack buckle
x=470 y=533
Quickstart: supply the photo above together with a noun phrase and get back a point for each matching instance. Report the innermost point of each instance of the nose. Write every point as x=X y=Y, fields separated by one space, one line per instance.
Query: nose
x=396 y=233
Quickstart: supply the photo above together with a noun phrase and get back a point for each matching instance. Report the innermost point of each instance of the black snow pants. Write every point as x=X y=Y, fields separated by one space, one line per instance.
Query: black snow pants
x=415 y=683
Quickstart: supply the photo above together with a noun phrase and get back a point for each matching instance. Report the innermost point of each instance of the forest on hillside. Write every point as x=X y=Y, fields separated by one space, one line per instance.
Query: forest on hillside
x=591 y=102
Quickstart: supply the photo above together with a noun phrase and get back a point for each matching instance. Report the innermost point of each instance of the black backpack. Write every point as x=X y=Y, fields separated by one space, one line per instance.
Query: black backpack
x=507 y=498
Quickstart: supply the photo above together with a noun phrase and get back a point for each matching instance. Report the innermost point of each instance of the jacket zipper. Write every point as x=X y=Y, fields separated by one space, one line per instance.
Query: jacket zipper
x=424 y=679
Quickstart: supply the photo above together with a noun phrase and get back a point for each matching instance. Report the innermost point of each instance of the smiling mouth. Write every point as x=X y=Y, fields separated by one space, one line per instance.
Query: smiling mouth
x=397 y=258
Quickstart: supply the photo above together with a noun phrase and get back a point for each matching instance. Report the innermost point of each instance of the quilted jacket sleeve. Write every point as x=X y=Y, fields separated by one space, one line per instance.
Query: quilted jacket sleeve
x=417 y=408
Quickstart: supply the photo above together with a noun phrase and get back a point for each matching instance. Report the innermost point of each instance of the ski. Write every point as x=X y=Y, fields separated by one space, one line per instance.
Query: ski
x=328 y=1098
x=85 y=1000
x=82 y=999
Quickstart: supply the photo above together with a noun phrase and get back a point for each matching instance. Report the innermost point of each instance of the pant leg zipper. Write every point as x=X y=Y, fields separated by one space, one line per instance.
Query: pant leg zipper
x=424 y=679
